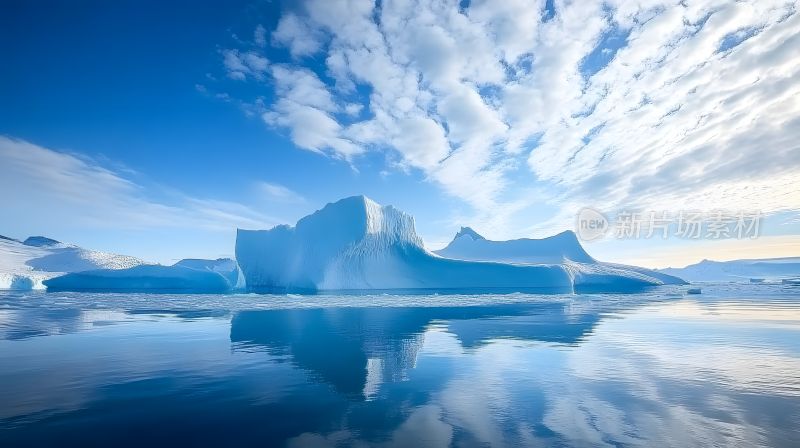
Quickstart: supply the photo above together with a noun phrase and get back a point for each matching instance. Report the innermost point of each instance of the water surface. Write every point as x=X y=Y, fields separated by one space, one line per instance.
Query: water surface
x=659 y=368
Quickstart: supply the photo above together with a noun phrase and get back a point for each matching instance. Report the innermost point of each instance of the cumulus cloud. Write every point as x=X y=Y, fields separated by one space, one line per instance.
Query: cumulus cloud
x=305 y=107
x=695 y=104
x=293 y=33
x=241 y=65
x=353 y=109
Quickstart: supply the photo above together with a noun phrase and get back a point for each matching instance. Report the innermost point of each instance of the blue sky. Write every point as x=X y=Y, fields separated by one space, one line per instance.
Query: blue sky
x=155 y=130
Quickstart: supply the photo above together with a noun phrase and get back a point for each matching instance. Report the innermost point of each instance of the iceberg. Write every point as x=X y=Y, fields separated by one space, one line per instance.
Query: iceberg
x=357 y=244
x=765 y=269
x=469 y=245
x=142 y=277
x=563 y=248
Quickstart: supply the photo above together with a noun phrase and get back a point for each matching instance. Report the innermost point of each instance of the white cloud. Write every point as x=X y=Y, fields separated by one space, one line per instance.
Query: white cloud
x=353 y=109
x=240 y=65
x=279 y=193
x=294 y=34
x=305 y=106
x=260 y=34
x=670 y=121
x=200 y=88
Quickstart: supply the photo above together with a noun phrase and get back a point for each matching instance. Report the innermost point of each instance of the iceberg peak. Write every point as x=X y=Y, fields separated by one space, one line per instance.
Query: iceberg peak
x=49 y=243
x=468 y=231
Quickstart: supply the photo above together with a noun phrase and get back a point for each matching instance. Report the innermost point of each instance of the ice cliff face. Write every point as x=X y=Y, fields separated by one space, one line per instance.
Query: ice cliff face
x=330 y=249
x=356 y=244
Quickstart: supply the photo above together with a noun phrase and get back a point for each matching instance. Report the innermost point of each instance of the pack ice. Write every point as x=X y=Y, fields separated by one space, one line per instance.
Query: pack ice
x=356 y=244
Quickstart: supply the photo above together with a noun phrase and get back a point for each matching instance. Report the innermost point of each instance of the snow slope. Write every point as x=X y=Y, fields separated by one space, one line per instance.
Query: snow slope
x=770 y=269
x=142 y=277
x=24 y=265
x=563 y=248
x=356 y=244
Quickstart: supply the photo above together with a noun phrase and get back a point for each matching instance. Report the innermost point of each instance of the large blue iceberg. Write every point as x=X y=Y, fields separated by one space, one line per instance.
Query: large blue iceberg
x=356 y=244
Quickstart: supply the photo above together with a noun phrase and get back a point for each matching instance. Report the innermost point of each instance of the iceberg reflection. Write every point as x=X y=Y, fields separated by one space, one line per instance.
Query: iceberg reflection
x=657 y=370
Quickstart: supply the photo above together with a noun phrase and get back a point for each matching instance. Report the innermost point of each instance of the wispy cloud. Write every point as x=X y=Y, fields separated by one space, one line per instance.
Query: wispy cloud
x=260 y=36
x=294 y=34
x=241 y=65
x=698 y=105
x=278 y=193
x=51 y=185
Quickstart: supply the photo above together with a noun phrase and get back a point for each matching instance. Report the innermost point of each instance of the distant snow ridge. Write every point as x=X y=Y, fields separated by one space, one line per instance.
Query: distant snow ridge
x=770 y=269
x=48 y=243
x=357 y=244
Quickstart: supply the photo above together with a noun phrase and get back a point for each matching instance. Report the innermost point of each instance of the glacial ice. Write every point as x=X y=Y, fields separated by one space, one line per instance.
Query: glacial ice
x=356 y=244
x=40 y=262
x=563 y=248
x=227 y=267
x=468 y=245
x=142 y=277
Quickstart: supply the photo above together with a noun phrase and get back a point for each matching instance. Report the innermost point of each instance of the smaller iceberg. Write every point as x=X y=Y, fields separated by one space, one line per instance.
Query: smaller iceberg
x=562 y=249
x=143 y=277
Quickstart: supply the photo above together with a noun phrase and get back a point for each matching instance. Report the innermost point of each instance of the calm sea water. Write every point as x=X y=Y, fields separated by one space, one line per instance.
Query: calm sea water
x=659 y=368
